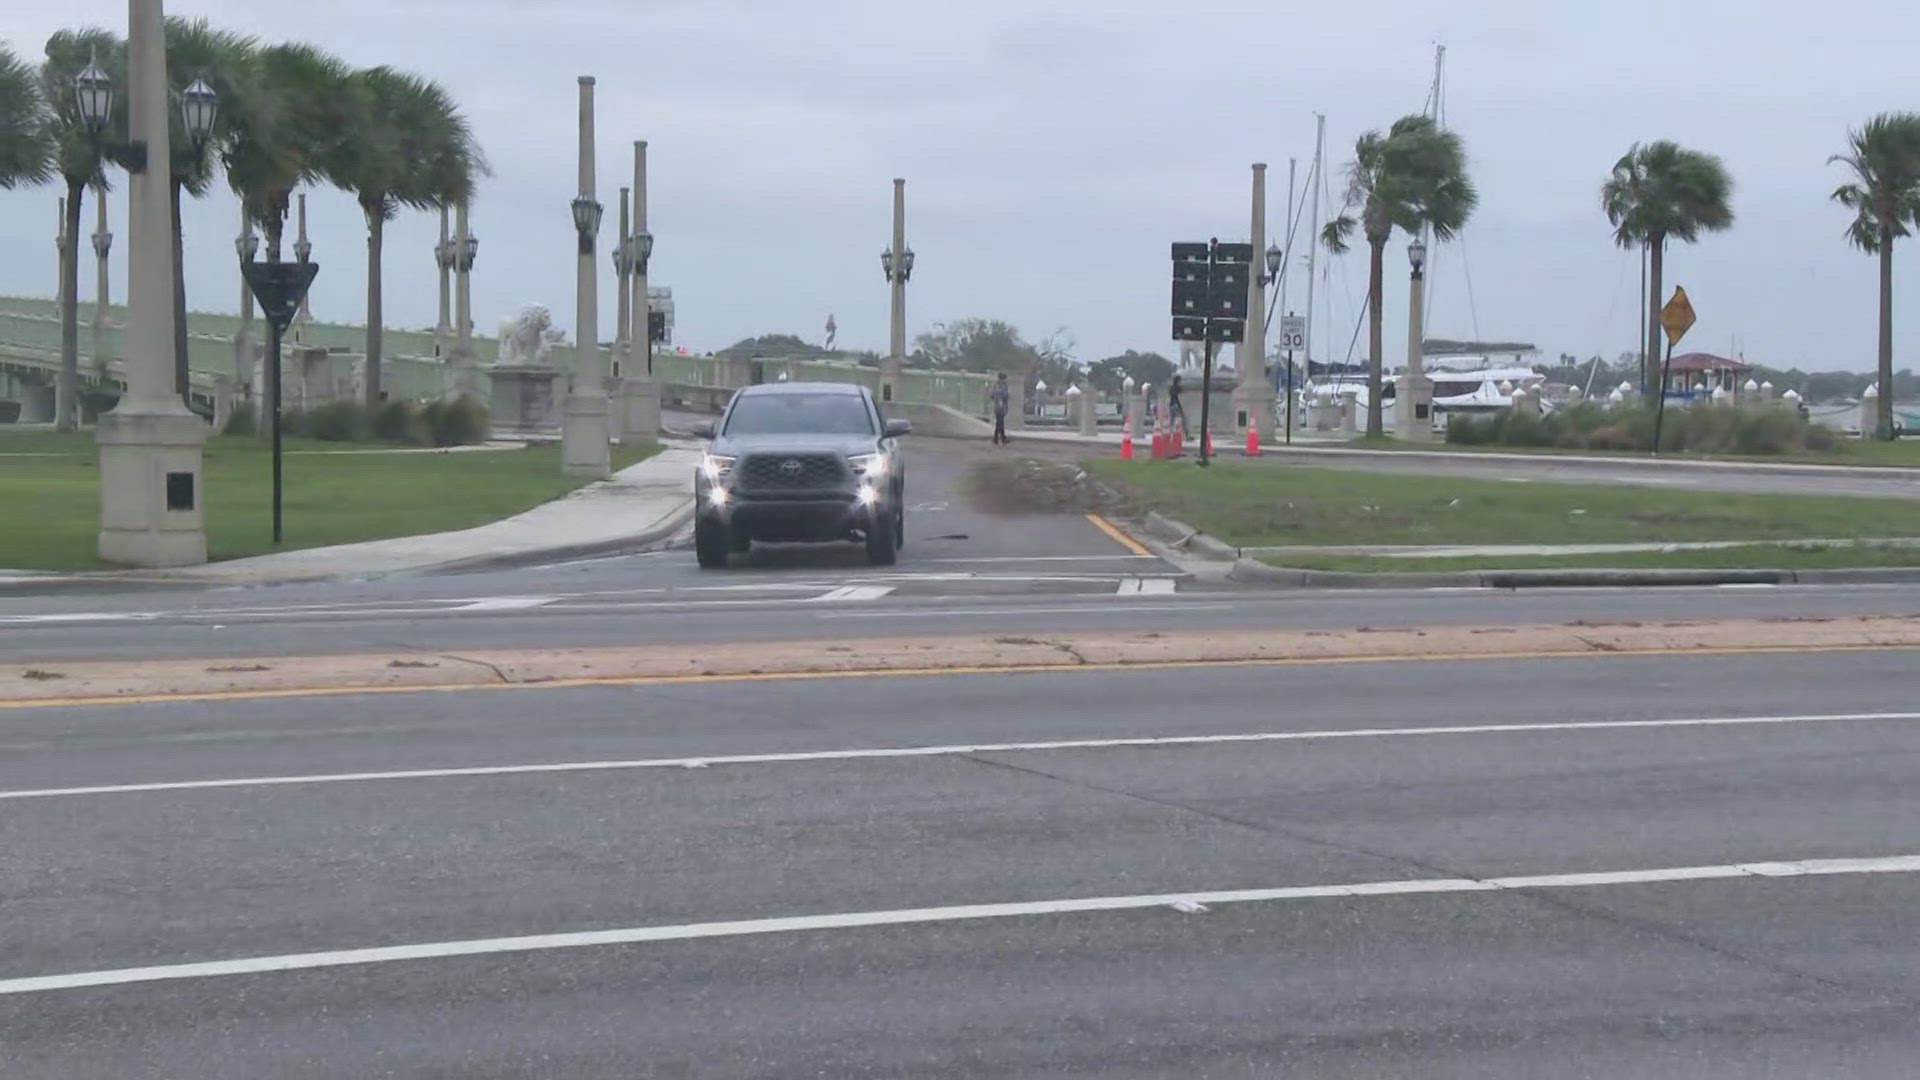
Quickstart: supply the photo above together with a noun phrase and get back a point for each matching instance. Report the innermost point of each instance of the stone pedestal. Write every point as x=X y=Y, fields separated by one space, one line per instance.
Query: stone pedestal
x=586 y=444
x=1135 y=414
x=152 y=503
x=1253 y=404
x=36 y=402
x=526 y=404
x=1349 y=412
x=1088 y=421
x=1016 y=403
x=1413 y=408
x=636 y=409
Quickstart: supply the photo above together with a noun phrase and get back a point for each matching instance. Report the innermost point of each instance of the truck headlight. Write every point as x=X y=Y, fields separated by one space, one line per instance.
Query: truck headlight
x=869 y=466
x=717 y=467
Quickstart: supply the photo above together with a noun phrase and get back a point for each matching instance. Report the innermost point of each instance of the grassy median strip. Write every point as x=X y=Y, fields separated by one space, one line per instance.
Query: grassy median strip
x=1744 y=557
x=53 y=502
x=1901 y=453
x=1271 y=506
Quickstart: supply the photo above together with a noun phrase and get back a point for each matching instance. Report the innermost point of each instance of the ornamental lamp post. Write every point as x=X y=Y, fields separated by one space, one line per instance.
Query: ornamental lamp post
x=1413 y=397
x=443 y=258
x=247 y=247
x=586 y=445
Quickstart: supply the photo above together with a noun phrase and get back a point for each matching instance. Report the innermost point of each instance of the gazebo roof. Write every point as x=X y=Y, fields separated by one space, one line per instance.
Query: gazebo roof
x=1700 y=361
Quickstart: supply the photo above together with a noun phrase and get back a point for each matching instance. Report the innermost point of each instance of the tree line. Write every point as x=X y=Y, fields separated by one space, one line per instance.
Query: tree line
x=290 y=115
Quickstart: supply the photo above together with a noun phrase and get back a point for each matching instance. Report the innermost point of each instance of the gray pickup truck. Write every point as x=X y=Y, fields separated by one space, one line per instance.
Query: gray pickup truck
x=798 y=463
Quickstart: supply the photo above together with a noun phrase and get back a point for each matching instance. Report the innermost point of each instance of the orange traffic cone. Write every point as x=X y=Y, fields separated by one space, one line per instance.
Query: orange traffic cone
x=1126 y=443
x=1253 y=441
x=1207 y=437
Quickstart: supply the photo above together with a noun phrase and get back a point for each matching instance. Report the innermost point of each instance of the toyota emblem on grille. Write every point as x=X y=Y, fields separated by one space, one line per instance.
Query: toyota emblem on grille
x=791 y=466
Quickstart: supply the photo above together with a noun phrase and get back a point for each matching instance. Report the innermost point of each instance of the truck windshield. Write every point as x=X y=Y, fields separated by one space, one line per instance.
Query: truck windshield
x=799 y=414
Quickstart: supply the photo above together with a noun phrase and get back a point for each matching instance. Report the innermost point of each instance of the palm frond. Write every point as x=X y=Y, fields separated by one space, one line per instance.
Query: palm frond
x=25 y=150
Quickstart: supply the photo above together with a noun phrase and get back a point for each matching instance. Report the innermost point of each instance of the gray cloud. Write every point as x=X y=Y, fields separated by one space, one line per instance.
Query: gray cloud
x=1054 y=149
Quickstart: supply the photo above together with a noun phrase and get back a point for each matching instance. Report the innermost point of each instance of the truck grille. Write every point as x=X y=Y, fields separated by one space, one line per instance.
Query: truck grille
x=792 y=472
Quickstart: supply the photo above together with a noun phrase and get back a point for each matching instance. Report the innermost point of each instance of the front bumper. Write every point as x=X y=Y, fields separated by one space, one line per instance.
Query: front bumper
x=793 y=517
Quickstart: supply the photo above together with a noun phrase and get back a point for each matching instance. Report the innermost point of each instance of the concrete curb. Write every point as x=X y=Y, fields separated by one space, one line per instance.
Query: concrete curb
x=638 y=542
x=1253 y=571
x=1789 y=468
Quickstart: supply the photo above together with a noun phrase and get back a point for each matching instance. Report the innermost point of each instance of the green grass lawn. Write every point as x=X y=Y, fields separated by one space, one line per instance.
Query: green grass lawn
x=1747 y=557
x=1264 y=505
x=1864 y=452
x=53 y=503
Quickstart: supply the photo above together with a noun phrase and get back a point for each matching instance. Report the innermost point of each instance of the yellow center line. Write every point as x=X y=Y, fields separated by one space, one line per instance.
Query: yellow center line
x=190 y=697
x=1118 y=535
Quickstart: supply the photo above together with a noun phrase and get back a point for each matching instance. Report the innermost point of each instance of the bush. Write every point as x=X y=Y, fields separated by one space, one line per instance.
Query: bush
x=244 y=419
x=398 y=422
x=462 y=422
x=293 y=422
x=1715 y=429
x=338 y=421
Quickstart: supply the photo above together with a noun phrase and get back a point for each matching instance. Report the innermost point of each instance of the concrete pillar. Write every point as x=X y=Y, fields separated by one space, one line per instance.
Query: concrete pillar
x=37 y=401
x=1349 y=409
x=302 y=248
x=1766 y=391
x=102 y=297
x=1870 y=412
x=1253 y=396
x=1575 y=397
x=1084 y=402
x=1413 y=391
x=1135 y=404
x=467 y=381
x=623 y=311
x=586 y=444
x=896 y=360
x=443 y=259
x=151 y=497
x=243 y=352
x=639 y=387
x=1016 y=400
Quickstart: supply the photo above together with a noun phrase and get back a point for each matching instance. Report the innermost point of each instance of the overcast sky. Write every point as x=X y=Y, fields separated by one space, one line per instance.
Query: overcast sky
x=1054 y=149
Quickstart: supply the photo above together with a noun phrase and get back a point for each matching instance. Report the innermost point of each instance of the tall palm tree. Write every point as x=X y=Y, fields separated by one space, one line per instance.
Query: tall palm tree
x=25 y=156
x=80 y=157
x=1661 y=191
x=411 y=148
x=197 y=51
x=1885 y=198
x=1414 y=177
x=289 y=129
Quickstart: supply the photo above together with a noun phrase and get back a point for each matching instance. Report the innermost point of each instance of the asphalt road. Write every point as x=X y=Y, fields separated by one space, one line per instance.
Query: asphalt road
x=1719 y=939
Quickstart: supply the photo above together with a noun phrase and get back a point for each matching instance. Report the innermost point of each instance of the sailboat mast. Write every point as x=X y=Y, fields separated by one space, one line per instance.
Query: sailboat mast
x=1316 y=191
x=1437 y=111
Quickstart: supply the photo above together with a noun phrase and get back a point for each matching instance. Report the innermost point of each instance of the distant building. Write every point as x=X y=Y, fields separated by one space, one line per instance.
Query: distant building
x=1689 y=371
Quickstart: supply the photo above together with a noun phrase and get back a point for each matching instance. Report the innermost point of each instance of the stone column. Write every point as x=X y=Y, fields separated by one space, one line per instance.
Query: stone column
x=639 y=388
x=586 y=447
x=1016 y=400
x=896 y=360
x=243 y=374
x=443 y=259
x=1870 y=412
x=150 y=446
x=623 y=312
x=466 y=366
x=1413 y=392
x=1085 y=400
x=302 y=248
x=1253 y=396
x=102 y=248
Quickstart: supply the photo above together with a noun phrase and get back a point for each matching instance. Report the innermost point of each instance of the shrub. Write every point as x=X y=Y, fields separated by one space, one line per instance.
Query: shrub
x=398 y=422
x=293 y=422
x=338 y=421
x=462 y=422
x=1466 y=430
x=243 y=419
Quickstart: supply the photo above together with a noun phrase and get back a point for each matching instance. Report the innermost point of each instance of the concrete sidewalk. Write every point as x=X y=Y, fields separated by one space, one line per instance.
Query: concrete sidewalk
x=642 y=504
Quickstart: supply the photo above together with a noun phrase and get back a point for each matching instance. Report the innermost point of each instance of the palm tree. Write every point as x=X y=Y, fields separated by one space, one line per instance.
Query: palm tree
x=412 y=148
x=196 y=51
x=289 y=128
x=80 y=156
x=1658 y=191
x=1414 y=178
x=1885 y=199
x=25 y=156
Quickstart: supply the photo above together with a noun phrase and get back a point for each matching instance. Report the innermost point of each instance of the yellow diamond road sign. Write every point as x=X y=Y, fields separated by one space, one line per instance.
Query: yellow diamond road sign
x=1677 y=316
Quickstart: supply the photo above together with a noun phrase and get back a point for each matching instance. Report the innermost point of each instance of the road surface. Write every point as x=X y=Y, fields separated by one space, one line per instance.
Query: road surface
x=1610 y=866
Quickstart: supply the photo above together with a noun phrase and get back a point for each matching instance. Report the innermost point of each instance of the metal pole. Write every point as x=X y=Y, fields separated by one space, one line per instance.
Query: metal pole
x=1317 y=180
x=1660 y=407
x=273 y=407
x=642 y=303
x=1289 y=396
x=1206 y=396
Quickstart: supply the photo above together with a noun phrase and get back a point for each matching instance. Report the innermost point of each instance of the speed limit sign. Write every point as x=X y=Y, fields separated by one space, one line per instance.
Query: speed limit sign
x=1293 y=331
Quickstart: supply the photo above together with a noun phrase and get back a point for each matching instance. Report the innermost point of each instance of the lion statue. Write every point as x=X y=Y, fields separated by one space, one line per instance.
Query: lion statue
x=527 y=336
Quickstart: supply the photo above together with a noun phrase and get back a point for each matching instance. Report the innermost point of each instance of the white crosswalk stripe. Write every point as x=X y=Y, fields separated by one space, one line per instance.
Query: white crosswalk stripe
x=1145 y=587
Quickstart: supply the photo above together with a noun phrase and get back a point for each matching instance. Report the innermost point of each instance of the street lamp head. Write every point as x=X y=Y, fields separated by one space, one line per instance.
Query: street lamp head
x=472 y=245
x=303 y=250
x=643 y=248
x=906 y=265
x=102 y=243
x=1417 y=254
x=619 y=255
x=1274 y=256
x=247 y=246
x=93 y=95
x=586 y=216
x=199 y=111
x=886 y=263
